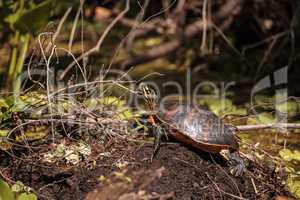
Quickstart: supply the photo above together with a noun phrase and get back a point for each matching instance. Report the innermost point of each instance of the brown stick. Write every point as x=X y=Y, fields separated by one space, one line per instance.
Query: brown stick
x=268 y=126
x=96 y=48
x=191 y=30
x=231 y=7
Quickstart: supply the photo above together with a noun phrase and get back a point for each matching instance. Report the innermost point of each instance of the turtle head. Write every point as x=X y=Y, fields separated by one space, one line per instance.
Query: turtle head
x=149 y=95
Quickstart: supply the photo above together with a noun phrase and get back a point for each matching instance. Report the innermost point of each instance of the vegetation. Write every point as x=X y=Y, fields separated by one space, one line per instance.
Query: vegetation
x=73 y=120
x=19 y=22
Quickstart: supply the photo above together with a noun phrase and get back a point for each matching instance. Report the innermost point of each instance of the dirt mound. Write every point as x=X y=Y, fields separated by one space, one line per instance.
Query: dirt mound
x=181 y=173
x=124 y=172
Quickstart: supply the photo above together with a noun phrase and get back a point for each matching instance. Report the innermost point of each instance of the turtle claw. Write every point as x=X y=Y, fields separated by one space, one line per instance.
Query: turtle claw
x=237 y=165
x=237 y=170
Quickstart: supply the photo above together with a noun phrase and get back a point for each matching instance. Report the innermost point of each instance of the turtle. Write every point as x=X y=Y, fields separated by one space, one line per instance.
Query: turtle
x=192 y=125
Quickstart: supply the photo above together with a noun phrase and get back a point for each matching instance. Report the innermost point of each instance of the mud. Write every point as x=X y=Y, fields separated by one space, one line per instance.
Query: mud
x=124 y=171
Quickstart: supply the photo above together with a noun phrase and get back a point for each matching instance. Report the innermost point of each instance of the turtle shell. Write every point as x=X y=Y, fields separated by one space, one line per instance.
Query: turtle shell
x=197 y=126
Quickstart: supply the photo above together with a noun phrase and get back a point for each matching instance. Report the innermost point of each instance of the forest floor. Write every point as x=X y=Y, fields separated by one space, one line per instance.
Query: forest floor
x=122 y=170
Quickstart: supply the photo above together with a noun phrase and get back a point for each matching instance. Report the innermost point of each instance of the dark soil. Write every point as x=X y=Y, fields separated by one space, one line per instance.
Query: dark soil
x=177 y=172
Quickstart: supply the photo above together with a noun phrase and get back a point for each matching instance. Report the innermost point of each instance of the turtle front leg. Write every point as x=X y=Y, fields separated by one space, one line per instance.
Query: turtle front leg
x=157 y=138
x=237 y=165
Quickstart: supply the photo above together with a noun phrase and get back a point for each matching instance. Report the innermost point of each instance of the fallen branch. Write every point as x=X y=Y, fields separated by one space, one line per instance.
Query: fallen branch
x=96 y=48
x=268 y=126
x=190 y=31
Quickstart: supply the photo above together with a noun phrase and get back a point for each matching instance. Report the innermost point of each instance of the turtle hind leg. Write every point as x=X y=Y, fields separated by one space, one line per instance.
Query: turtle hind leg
x=157 y=138
x=237 y=165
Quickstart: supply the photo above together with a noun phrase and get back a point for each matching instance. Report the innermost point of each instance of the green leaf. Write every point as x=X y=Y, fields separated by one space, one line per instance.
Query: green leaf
x=3 y=104
x=20 y=106
x=91 y=103
x=34 y=98
x=10 y=101
x=153 y=41
x=18 y=187
x=294 y=187
x=140 y=125
x=32 y=20
x=263 y=118
x=114 y=101
x=5 y=192
x=16 y=104
x=290 y=107
x=288 y=155
x=36 y=133
x=3 y=132
x=240 y=111
x=4 y=116
x=13 y=18
x=125 y=115
x=25 y=196
x=218 y=106
x=262 y=99
x=102 y=178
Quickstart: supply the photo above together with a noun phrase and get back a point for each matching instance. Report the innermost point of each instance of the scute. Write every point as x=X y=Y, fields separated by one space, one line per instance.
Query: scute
x=197 y=123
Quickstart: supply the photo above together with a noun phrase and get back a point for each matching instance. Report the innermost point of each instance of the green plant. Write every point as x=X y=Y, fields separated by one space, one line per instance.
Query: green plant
x=19 y=21
x=17 y=192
